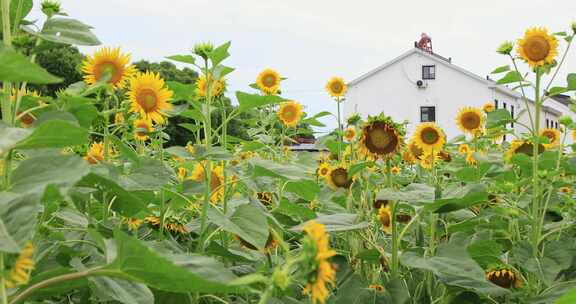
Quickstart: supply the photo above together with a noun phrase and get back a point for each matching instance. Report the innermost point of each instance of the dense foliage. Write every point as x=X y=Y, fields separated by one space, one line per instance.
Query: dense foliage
x=99 y=205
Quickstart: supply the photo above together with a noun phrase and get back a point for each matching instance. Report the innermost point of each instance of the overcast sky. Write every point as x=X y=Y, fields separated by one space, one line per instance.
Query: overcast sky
x=309 y=41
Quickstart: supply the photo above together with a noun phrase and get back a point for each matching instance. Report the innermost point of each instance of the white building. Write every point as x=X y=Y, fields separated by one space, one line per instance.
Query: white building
x=421 y=86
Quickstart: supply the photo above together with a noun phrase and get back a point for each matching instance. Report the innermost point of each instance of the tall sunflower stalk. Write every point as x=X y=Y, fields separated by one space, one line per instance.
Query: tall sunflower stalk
x=6 y=104
x=336 y=87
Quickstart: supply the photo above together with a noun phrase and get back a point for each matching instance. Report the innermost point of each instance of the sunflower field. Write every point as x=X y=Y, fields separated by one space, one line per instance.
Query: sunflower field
x=95 y=207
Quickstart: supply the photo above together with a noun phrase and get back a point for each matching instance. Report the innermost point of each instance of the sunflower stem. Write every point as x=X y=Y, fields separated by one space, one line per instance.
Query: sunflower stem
x=339 y=132
x=7 y=40
x=535 y=179
x=3 y=294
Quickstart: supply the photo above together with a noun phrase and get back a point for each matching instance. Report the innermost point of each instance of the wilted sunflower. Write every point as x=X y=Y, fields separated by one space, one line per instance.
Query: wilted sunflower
x=553 y=136
x=323 y=170
x=268 y=82
x=142 y=127
x=95 y=154
x=429 y=137
x=290 y=113
x=463 y=149
x=216 y=181
x=265 y=198
x=317 y=244
x=108 y=62
x=504 y=277
x=350 y=134
x=20 y=273
x=216 y=87
x=488 y=107
x=470 y=120
x=149 y=96
x=537 y=47
x=336 y=87
x=381 y=137
x=338 y=178
x=522 y=146
x=385 y=218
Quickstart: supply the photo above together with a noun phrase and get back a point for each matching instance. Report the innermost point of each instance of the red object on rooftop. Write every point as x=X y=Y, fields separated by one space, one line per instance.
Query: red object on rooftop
x=425 y=43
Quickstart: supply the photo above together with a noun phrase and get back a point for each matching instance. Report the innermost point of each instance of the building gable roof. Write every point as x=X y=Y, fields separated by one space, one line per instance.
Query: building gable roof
x=440 y=60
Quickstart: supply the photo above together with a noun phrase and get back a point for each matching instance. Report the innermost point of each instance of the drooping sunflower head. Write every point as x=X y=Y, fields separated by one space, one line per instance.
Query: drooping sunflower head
x=217 y=87
x=381 y=137
x=268 y=81
x=323 y=170
x=336 y=87
x=537 y=47
x=142 y=127
x=338 y=178
x=470 y=120
x=518 y=146
x=149 y=96
x=108 y=64
x=504 y=277
x=553 y=136
x=290 y=113
x=385 y=218
x=429 y=137
x=488 y=107
x=350 y=134
x=95 y=153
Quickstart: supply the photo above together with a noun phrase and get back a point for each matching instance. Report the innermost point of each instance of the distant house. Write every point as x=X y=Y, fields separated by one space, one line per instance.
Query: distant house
x=421 y=86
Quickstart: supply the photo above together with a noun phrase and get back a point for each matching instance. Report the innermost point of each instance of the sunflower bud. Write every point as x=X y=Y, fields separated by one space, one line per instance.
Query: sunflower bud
x=281 y=278
x=353 y=120
x=203 y=49
x=505 y=48
x=565 y=120
x=50 y=8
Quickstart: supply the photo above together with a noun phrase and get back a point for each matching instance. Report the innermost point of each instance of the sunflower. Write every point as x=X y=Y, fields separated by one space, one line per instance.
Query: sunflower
x=379 y=203
x=108 y=62
x=381 y=137
x=95 y=154
x=412 y=152
x=290 y=113
x=181 y=174
x=323 y=170
x=336 y=87
x=504 y=277
x=20 y=273
x=385 y=218
x=553 y=136
x=216 y=87
x=429 y=137
x=470 y=120
x=428 y=160
x=565 y=190
x=142 y=127
x=317 y=243
x=470 y=160
x=463 y=149
x=216 y=180
x=268 y=82
x=537 y=47
x=376 y=287
x=522 y=146
x=338 y=178
x=488 y=107
x=133 y=223
x=445 y=156
x=149 y=96
x=350 y=134
x=395 y=170
x=171 y=224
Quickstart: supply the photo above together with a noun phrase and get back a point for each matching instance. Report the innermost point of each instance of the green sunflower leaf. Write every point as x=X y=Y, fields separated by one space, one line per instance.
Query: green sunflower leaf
x=68 y=31
x=15 y=67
